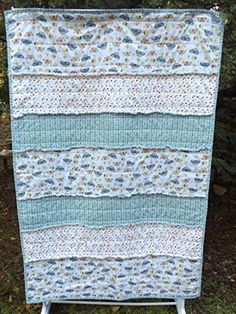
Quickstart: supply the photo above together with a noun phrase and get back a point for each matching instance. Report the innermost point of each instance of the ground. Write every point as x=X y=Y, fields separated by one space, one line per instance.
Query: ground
x=218 y=291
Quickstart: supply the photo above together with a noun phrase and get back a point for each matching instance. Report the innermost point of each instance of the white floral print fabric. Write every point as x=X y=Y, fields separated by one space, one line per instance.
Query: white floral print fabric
x=94 y=172
x=114 y=279
x=190 y=94
x=119 y=241
x=143 y=42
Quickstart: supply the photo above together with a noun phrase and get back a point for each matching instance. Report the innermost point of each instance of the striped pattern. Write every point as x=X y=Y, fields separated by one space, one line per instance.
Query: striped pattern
x=90 y=80
x=36 y=214
x=58 y=132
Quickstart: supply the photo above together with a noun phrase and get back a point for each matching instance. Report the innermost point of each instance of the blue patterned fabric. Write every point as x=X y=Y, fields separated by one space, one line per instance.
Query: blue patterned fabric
x=55 y=132
x=115 y=41
x=41 y=213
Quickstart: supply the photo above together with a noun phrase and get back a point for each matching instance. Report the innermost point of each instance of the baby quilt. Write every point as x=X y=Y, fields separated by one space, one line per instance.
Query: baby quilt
x=112 y=115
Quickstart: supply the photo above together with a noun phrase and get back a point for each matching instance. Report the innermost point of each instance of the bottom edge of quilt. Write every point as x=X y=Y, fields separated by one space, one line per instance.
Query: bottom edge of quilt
x=122 y=299
x=113 y=279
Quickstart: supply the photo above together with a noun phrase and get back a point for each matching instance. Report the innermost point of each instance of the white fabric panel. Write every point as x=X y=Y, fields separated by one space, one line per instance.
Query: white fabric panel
x=190 y=94
x=119 y=241
x=95 y=172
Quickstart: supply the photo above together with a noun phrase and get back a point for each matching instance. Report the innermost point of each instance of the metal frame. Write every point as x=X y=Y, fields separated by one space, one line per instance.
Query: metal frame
x=179 y=303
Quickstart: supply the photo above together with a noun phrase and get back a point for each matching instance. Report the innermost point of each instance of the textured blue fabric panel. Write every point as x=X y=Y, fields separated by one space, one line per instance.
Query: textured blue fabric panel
x=97 y=212
x=57 y=132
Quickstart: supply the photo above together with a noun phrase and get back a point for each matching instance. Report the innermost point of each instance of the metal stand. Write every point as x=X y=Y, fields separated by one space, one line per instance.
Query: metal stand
x=179 y=303
x=180 y=306
x=46 y=308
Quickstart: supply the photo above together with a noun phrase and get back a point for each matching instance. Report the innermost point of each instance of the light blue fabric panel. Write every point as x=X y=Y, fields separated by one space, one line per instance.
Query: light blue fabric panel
x=56 y=132
x=104 y=211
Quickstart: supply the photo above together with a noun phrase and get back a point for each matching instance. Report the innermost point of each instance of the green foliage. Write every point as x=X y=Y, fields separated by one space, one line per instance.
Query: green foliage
x=225 y=141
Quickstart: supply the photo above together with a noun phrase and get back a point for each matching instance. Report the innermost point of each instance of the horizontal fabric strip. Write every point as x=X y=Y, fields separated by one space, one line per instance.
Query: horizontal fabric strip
x=178 y=94
x=57 y=132
x=120 y=241
x=90 y=43
x=112 y=279
x=100 y=212
x=98 y=172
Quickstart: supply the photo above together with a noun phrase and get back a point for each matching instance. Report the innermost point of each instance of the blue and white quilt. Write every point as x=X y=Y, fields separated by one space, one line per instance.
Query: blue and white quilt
x=113 y=117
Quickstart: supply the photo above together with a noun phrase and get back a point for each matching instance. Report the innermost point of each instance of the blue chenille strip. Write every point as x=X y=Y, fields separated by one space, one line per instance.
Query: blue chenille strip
x=58 y=132
x=103 y=211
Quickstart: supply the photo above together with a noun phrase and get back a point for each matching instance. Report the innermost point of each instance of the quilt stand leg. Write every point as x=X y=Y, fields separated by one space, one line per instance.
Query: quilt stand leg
x=46 y=308
x=180 y=306
x=178 y=302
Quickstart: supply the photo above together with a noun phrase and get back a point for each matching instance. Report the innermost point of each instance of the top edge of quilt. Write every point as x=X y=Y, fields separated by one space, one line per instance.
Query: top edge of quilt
x=85 y=42
x=120 y=10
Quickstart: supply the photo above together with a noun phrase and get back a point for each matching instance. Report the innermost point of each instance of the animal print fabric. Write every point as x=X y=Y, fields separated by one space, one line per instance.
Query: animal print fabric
x=98 y=172
x=88 y=43
x=112 y=278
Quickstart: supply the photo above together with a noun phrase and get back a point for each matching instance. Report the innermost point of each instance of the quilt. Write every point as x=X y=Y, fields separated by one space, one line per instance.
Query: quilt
x=112 y=115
